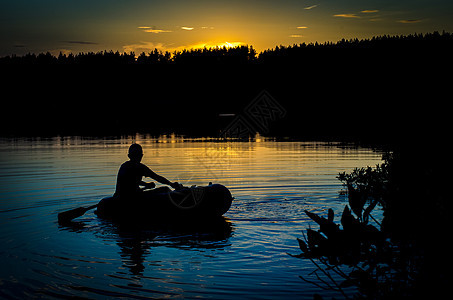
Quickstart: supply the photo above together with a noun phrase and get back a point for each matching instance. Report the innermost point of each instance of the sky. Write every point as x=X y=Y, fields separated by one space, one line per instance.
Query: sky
x=142 y=25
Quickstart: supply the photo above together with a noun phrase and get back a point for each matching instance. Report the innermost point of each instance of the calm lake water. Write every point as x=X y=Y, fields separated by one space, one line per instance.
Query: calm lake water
x=272 y=182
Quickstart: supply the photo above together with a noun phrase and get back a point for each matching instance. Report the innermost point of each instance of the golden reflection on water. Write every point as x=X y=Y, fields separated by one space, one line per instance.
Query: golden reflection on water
x=259 y=162
x=201 y=160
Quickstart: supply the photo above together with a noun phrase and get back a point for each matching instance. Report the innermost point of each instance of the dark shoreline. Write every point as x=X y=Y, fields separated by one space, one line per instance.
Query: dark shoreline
x=382 y=90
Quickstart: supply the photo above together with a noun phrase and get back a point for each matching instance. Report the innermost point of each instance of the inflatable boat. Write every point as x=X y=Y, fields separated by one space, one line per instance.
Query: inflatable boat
x=163 y=204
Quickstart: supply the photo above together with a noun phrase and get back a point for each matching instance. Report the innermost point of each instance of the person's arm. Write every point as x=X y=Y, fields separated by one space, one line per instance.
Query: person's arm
x=158 y=178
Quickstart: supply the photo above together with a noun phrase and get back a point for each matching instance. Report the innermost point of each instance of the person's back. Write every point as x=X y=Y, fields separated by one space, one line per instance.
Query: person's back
x=131 y=173
x=129 y=178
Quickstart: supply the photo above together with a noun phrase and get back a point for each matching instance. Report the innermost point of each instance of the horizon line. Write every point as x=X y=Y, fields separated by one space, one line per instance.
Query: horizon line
x=226 y=46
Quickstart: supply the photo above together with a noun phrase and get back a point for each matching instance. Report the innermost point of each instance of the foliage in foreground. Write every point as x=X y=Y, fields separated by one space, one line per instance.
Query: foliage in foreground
x=357 y=254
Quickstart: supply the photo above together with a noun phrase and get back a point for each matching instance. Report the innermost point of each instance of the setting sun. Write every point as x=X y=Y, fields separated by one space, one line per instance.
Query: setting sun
x=217 y=45
x=142 y=26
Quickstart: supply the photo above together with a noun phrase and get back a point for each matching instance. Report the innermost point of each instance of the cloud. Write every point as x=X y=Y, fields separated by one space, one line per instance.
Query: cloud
x=356 y=16
x=152 y=29
x=156 y=31
x=347 y=16
x=301 y=27
x=409 y=21
x=187 y=28
x=295 y=36
x=311 y=7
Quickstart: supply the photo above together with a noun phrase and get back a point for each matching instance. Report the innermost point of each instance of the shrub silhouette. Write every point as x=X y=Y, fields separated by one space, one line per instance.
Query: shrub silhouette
x=404 y=255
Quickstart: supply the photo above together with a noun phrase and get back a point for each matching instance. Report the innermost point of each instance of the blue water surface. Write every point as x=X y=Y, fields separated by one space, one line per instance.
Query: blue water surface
x=244 y=257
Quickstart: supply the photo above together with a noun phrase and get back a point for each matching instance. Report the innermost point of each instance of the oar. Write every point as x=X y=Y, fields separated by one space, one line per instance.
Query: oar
x=67 y=216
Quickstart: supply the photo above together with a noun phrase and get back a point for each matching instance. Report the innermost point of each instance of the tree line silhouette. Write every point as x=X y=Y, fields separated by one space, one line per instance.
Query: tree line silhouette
x=384 y=46
x=386 y=87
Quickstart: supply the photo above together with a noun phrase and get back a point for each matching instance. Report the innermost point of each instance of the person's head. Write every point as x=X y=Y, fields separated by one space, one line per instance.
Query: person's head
x=135 y=152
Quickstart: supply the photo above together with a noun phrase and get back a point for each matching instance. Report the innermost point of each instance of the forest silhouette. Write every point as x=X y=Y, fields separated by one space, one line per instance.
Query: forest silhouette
x=384 y=47
x=382 y=88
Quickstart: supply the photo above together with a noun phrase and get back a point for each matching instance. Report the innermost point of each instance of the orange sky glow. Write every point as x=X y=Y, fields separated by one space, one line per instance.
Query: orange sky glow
x=173 y=25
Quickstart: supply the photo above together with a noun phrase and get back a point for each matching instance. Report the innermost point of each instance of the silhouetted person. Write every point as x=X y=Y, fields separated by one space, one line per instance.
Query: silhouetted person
x=131 y=173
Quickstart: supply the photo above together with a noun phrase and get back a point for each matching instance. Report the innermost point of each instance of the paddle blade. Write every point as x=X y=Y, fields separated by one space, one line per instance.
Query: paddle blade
x=69 y=215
